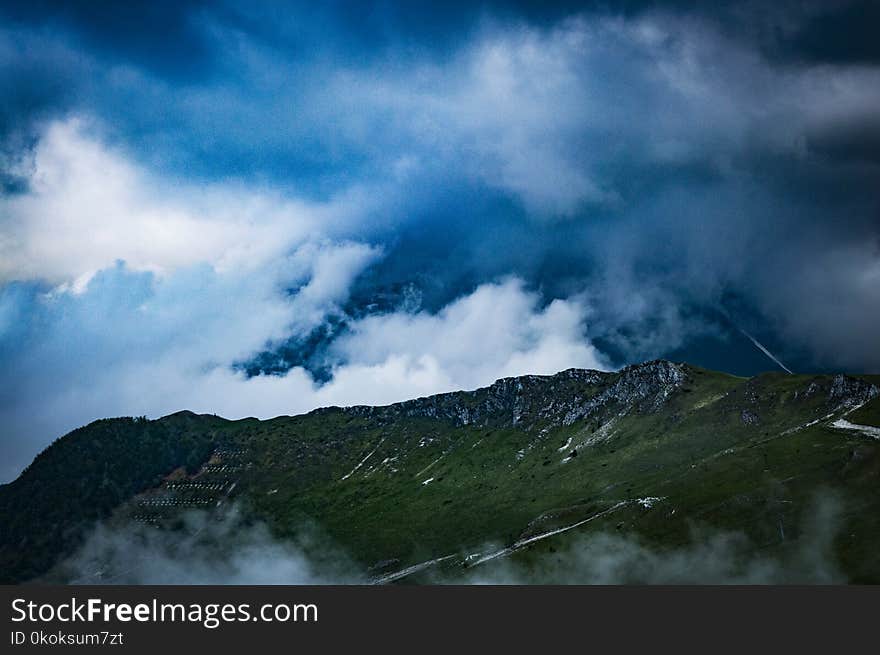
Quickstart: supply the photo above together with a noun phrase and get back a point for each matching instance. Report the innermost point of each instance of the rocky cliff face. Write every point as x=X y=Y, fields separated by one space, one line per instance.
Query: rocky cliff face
x=851 y=392
x=838 y=392
x=577 y=395
x=561 y=399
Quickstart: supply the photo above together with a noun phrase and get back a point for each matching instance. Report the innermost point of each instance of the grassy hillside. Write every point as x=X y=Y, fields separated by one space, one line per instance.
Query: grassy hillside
x=654 y=451
x=83 y=477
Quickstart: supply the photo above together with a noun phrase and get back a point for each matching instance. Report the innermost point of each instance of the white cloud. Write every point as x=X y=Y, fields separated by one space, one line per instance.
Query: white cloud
x=498 y=330
x=157 y=289
x=88 y=206
x=171 y=348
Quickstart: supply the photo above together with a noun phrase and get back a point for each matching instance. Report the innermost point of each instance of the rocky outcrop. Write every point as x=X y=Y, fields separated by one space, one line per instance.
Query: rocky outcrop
x=840 y=391
x=851 y=392
x=561 y=399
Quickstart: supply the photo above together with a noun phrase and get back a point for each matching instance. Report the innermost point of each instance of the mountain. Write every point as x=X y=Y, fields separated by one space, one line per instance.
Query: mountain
x=660 y=452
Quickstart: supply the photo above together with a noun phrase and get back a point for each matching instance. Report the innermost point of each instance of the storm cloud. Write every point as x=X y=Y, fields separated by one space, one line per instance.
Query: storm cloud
x=274 y=207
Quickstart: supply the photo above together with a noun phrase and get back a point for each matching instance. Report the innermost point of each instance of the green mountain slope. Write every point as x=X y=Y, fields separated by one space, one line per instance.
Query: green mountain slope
x=651 y=451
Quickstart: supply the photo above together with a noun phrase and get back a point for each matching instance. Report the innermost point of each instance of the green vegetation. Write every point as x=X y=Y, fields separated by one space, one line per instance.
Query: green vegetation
x=83 y=477
x=450 y=474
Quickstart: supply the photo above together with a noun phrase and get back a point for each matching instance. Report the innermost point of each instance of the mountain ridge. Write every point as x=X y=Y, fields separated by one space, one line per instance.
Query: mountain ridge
x=452 y=470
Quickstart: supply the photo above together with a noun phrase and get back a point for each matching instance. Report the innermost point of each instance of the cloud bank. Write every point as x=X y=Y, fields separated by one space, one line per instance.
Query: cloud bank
x=711 y=557
x=163 y=330
x=223 y=548
x=257 y=210
x=208 y=549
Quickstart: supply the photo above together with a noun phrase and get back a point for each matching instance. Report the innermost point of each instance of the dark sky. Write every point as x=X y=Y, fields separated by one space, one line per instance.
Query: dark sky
x=261 y=209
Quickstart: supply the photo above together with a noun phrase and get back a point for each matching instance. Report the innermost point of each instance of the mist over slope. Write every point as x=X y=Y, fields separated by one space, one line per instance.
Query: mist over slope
x=661 y=472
